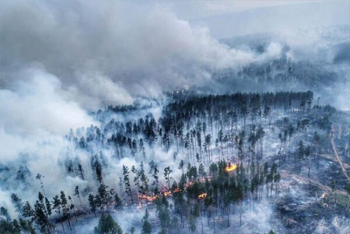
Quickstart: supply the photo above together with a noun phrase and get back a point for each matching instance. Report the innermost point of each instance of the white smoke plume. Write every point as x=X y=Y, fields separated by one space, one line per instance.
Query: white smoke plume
x=107 y=52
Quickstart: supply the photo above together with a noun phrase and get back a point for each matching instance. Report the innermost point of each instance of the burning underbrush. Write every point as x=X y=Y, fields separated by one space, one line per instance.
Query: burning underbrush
x=231 y=167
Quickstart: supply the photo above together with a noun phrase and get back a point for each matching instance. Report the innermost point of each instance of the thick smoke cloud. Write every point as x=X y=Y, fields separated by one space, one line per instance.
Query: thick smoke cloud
x=34 y=116
x=59 y=60
x=107 y=52
x=37 y=103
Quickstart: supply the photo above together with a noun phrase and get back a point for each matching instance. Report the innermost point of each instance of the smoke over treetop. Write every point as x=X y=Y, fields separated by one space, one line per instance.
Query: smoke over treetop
x=37 y=103
x=117 y=48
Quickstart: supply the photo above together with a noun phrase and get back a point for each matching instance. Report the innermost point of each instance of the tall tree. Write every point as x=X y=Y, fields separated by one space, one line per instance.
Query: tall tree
x=107 y=225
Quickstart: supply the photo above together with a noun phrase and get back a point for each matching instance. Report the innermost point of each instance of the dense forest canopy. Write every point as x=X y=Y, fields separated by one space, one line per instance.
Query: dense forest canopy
x=228 y=154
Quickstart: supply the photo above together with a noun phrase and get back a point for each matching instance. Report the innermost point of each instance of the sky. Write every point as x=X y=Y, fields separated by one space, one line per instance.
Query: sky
x=194 y=9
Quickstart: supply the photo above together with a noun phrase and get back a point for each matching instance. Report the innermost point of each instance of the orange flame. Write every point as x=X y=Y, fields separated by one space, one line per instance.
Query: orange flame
x=230 y=167
x=167 y=193
x=202 y=196
x=177 y=190
x=148 y=198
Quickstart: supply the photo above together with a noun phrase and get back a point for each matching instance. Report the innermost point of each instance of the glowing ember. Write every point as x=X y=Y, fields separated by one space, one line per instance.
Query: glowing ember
x=148 y=198
x=231 y=167
x=167 y=193
x=177 y=190
x=202 y=196
x=323 y=195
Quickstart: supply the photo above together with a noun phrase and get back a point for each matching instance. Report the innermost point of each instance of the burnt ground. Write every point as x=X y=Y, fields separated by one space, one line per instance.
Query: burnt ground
x=301 y=208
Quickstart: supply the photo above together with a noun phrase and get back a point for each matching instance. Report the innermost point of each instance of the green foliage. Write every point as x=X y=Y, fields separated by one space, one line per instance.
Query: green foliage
x=4 y=213
x=146 y=226
x=163 y=215
x=107 y=225
x=163 y=231
x=118 y=201
x=9 y=227
x=92 y=203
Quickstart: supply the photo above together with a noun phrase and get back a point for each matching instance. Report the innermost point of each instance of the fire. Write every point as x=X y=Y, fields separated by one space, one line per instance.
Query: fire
x=167 y=193
x=148 y=198
x=202 y=196
x=323 y=195
x=177 y=190
x=231 y=167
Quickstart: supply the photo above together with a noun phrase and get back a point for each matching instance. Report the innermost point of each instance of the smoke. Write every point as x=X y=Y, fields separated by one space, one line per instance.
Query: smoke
x=336 y=225
x=35 y=113
x=59 y=60
x=37 y=102
x=107 y=52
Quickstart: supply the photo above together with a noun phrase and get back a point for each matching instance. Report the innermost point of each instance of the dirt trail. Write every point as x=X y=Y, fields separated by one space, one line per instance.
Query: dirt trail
x=323 y=187
x=336 y=154
x=331 y=157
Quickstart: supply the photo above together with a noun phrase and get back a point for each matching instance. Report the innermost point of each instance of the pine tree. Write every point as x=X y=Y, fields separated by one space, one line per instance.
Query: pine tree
x=181 y=165
x=41 y=215
x=28 y=211
x=4 y=212
x=77 y=194
x=127 y=183
x=118 y=202
x=167 y=172
x=92 y=203
x=146 y=226
x=201 y=170
x=107 y=225
x=56 y=205
x=17 y=202
x=65 y=209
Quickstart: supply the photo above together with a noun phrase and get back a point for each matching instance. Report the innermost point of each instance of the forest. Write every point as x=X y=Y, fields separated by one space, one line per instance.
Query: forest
x=203 y=166
x=174 y=117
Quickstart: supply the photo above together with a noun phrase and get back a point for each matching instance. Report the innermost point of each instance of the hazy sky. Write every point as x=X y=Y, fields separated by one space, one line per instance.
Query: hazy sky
x=235 y=18
x=194 y=9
